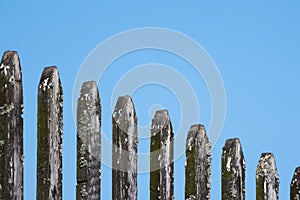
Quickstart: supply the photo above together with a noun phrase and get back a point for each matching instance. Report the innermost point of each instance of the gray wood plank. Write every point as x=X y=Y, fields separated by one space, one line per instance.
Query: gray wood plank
x=88 y=142
x=50 y=125
x=124 y=150
x=11 y=127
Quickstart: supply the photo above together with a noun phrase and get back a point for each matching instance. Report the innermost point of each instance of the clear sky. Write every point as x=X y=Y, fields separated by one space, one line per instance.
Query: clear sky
x=255 y=46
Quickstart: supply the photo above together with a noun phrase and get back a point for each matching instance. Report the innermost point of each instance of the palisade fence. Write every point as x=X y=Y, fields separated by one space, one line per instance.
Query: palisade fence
x=124 y=148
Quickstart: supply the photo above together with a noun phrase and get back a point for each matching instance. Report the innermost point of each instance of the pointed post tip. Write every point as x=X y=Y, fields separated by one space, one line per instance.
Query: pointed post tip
x=162 y=113
x=10 y=66
x=295 y=184
x=197 y=127
x=50 y=71
x=297 y=171
x=9 y=54
x=267 y=156
x=197 y=130
x=267 y=165
x=124 y=112
x=232 y=141
x=90 y=87
x=161 y=120
x=89 y=84
x=296 y=176
x=161 y=117
x=50 y=78
x=124 y=102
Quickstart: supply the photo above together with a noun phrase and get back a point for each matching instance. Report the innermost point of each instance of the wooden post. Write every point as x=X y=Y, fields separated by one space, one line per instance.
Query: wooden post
x=295 y=185
x=198 y=163
x=161 y=157
x=233 y=171
x=49 y=152
x=11 y=127
x=124 y=150
x=267 y=181
x=88 y=142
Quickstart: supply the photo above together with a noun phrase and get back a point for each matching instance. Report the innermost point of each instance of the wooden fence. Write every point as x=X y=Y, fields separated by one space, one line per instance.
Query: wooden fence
x=124 y=149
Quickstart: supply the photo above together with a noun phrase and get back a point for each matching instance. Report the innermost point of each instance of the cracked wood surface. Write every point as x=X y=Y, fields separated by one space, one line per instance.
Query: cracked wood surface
x=88 y=142
x=198 y=164
x=162 y=157
x=11 y=127
x=233 y=171
x=49 y=150
x=124 y=150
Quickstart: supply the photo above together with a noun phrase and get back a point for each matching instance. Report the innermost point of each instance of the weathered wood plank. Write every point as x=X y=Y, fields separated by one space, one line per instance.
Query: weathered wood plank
x=295 y=185
x=198 y=164
x=124 y=150
x=49 y=152
x=233 y=171
x=267 y=179
x=11 y=127
x=88 y=142
x=162 y=157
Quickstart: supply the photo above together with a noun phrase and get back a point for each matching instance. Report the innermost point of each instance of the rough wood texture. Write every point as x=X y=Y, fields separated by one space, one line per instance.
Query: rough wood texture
x=198 y=163
x=161 y=158
x=124 y=150
x=295 y=185
x=233 y=171
x=267 y=181
x=11 y=127
x=49 y=153
x=88 y=142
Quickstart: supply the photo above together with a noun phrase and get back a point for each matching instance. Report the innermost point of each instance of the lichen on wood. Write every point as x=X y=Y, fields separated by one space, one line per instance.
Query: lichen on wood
x=50 y=125
x=233 y=171
x=11 y=127
x=267 y=179
x=295 y=185
x=88 y=142
x=124 y=150
x=162 y=157
x=198 y=164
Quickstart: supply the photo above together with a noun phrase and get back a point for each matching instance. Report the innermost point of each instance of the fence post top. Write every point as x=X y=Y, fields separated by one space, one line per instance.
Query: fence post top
x=296 y=178
x=161 y=117
x=89 y=84
x=89 y=89
x=267 y=166
x=10 y=66
x=8 y=55
x=49 y=78
x=233 y=141
x=197 y=130
x=196 y=127
x=124 y=103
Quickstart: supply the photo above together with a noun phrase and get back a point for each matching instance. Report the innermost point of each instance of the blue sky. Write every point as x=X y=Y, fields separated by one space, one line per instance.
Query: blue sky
x=254 y=45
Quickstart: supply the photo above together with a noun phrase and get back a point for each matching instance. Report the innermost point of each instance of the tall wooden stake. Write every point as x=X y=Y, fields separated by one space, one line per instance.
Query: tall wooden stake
x=162 y=157
x=11 y=127
x=295 y=185
x=49 y=153
x=88 y=142
x=198 y=163
x=124 y=150
x=267 y=180
x=233 y=171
